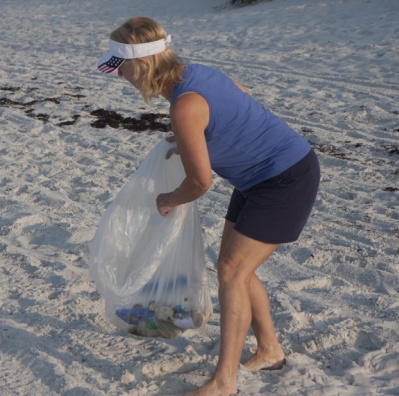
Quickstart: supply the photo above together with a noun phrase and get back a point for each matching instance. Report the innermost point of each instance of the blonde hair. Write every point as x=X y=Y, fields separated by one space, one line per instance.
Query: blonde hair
x=161 y=69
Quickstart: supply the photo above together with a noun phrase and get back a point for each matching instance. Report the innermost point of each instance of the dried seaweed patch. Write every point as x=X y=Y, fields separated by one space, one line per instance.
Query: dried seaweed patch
x=147 y=121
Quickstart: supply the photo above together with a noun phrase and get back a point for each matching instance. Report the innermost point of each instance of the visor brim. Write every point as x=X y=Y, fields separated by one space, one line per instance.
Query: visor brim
x=109 y=63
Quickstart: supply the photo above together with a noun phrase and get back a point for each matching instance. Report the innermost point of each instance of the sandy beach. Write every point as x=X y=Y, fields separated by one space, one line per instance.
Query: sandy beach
x=70 y=139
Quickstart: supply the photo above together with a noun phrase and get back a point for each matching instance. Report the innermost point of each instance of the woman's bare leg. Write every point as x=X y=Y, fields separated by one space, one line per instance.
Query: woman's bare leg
x=240 y=257
x=269 y=354
x=268 y=351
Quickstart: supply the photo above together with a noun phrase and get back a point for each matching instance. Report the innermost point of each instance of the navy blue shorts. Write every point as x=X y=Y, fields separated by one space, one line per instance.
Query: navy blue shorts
x=276 y=210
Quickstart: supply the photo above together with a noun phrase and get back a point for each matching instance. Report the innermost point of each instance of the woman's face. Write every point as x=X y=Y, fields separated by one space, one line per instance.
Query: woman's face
x=128 y=71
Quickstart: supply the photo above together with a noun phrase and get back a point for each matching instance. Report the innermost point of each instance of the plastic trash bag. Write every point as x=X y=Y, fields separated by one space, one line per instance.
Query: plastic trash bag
x=151 y=269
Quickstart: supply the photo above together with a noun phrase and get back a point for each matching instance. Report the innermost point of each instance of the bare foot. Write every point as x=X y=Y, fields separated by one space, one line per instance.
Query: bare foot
x=213 y=389
x=266 y=361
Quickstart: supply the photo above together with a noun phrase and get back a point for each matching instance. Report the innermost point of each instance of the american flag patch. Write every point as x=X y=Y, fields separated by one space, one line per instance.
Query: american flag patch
x=112 y=64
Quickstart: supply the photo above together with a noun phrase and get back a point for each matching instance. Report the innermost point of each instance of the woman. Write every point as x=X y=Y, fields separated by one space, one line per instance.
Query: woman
x=275 y=173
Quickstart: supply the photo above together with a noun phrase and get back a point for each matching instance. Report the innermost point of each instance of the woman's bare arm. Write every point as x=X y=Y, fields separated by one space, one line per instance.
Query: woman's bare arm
x=189 y=118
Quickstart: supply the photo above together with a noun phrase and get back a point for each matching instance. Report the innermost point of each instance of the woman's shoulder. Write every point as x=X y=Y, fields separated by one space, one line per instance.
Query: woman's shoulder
x=200 y=68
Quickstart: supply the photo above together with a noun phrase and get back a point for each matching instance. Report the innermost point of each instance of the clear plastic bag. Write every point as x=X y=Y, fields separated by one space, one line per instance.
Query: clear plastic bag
x=151 y=269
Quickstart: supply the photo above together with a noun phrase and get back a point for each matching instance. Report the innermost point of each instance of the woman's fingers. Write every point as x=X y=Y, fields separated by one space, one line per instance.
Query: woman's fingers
x=171 y=151
x=163 y=204
x=170 y=139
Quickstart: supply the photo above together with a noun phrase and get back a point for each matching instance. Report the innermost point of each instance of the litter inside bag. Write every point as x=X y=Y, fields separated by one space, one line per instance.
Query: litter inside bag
x=151 y=269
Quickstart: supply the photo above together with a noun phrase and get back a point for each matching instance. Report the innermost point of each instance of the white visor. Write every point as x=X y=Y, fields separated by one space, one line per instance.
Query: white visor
x=118 y=52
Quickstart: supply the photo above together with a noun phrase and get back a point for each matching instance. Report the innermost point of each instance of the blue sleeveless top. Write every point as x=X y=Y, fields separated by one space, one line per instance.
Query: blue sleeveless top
x=246 y=143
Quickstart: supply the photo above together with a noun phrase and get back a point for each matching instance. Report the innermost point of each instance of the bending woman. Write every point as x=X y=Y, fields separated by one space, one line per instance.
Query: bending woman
x=218 y=126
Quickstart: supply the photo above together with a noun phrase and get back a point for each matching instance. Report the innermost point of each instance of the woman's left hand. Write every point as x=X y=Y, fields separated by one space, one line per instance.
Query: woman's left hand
x=164 y=205
x=173 y=150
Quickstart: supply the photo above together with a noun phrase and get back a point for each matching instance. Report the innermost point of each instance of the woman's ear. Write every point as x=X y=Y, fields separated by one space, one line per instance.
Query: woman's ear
x=144 y=65
x=143 y=61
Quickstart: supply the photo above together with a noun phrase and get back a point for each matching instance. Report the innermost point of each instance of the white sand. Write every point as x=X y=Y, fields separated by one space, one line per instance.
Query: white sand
x=329 y=68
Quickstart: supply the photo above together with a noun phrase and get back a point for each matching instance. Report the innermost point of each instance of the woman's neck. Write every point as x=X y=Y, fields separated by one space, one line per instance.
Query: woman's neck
x=167 y=93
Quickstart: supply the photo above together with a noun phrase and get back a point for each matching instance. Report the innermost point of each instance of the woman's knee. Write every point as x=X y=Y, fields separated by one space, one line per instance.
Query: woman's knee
x=231 y=270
